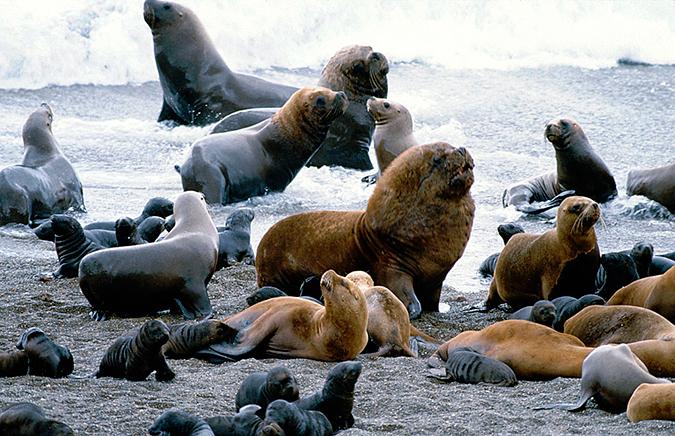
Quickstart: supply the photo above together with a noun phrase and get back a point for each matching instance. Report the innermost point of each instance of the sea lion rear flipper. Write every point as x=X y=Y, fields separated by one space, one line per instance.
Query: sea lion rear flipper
x=237 y=344
x=440 y=374
x=572 y=407
x=545 y=205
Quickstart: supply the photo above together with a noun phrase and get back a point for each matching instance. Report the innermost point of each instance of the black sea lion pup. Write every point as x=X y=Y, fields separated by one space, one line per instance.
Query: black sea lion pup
x=234 y=166
x=27 y=419
x=150 y=228
x=642 y=254
x=156 y=206
x=244 y=423
x=13 y=364
x=336 y=399
x=45 y=358
x=189 y=339
x=466 y=365
x=657 y=184
x=137 y=353
x=71 y=244
x=176 y=422
x=616 y=271
x=567 y=307
x=148 y=278
x=293 y=420
x=487 y=267
x=126 y=233
x=234 y=241
x=44 y=182
x=264 y=293
x=542 y=312
x=261 y=388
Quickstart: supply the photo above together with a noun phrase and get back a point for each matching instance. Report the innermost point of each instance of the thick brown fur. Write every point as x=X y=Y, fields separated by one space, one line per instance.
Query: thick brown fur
x=415 y=227
x=652 y=401
x=529 y=266
x=656 y=293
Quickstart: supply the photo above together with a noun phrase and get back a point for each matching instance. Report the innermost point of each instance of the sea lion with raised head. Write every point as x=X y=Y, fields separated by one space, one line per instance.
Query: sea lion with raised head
x=170 y=274
x=466 y=365
x=652 y=401
x=234 y=166
x=261 y=388
x=156 y=206
x=179 y=423
x=415 y=227
x=657 y=184
x=198 y=87
x=126 y=233
x=542 y=312
x=578 y=169
x=234 y=241
x=44 y=182
x=656 y=293
x=45 y=358
x=21 y=419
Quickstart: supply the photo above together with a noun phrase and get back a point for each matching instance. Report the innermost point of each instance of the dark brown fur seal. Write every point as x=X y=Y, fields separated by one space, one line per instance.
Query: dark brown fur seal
x=234 y=166
x=44 y=182
x=566 y=307
x=656 y=293
x=657 y=184
x=137 y=353
x=27 y=419
x=415 y=228
x=234 y=241
x=652 y=401
x=126 y=233
x=466 y=365
x=45 y=358
x=261 y=388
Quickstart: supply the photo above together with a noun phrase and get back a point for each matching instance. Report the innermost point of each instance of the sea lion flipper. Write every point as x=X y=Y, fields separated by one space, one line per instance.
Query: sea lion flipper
x=370 y=179
x=168 y=114
x=545 y=205
x=572 y=407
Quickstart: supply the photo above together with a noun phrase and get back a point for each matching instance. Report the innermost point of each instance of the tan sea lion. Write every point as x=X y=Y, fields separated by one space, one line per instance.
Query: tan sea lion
x=657 y=184
x=289 y=327
x=652 y=401
x=529 y=267
x=415 y=227
x=656 y=293
x=599 y=325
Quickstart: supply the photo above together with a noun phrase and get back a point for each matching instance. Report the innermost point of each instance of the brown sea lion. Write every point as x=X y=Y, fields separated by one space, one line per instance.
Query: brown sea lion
x=652 y=401
x=169 y=274
x=234 y=166
x=24 y=419
x=530 y=266
x=656 y=293
x=289 y=327
x=44 y=182
x=197 y=86
x=599 y=325
x=657 y=184
x=415 y=227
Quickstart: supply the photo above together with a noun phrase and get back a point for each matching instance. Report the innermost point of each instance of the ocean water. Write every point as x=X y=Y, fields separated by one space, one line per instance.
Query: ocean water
x=483 y=75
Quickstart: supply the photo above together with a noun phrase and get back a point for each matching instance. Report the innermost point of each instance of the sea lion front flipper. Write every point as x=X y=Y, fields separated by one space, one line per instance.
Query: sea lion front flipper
x=535 y=208
x=168 y=114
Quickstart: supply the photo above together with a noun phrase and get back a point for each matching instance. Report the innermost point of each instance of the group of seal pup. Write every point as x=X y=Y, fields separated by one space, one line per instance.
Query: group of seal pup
x=376 y=269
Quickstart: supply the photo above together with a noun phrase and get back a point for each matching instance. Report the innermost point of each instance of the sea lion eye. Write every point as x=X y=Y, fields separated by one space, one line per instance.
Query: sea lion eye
x=321 y=101
x=437 y=161
x=386 y=105
x=575 y=208
x=358 y=66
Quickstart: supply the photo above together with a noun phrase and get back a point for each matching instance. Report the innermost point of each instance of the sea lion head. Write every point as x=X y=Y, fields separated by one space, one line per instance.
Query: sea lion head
x=577 y=215
x=642 y=252
x=342 y=378
x=508 y=230
x=37 y=131
x=29 y=335
x=64 y=225
x=191 y=212
x=559 y=131
x=282 y=384
x=362 y=279
x=160 y=14
x=386 y=112
x=310 y=106
x=174 y=421
x=154 y=332
x=357 y=70
x=125 y=228
x=344 y=301
x=158 y=206
x=240 y=218
x=544 y=312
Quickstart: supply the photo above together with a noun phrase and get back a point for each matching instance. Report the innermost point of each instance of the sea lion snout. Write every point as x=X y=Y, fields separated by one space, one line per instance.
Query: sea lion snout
x=327 y=280
x=148 y=13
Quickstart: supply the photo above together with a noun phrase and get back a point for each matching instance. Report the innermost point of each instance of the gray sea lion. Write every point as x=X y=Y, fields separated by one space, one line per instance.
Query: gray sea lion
x=294 y=420
x=189 y=339
x=234 y=166
x=44 y=182
x=542 y=312
x=657 y=184
x=156 y=206
x=261 y=388
x=72 y=245
x=466 y=365
x=579 y=169
x=487 y=267
x=137 y=353
x=45 y=358
x=178 y=422
x=610 y=374
x=652 y=401
x=27 y=419
x=163 y=275
x=566 y=307
x=198 y=87
x=234 y=241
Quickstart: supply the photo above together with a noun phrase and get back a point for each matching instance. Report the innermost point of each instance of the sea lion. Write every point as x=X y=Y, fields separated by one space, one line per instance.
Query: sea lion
x=466 y=365
x=45 y=358
x=652 y=401
x=566 y=307
x=336 y=398
x=393 y=132
x=234 y=241
x=542 y=312
x=180 y=423
x=148 y=278
x=13 y=364
x=670 y=255
x=600 y=325
x=28 y=419
x=487 y=267
x=578 y=168
x=660 y=265
x=657 y=184
x=44 y=182
x=530 y=265
x=261 y=388
x=656 y=293
x=198 y=87
x=104 y=238
x=137 y=353
x=156 y=206
x=188 y=339
x=616 y=271
x=264 y=293
x=642 y=254
x=126 y=233
x=287 y=327
x=415 y=227
x=72 y=245
x=234 y=166
x=150 y=228
x=244 y=422
x=610 y=374
x=293 y=420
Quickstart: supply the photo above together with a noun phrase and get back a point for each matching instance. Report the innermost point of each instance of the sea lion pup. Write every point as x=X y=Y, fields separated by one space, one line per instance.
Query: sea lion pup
x=567 y=307
x=657 y=184
x=45 y=358
x=415 y=227
x=72 y=245
x=234 y=241
x=150 y=228
x=163 y=275
x=656 y=293
x=293 y=420
x=487 y=267
x=126 y=233
x=600 y=325
x=652 y=401
x=393 y=133
x=530 y=265
x=336 y=398
x=137 y=353
x=13 y=364
x=616 y=271
x=289 y=327
x=28 y=419
x=44 y=182
x=389 y=325
x=466 y=365
x=244 y=422
x=533 y=351
x=261 y=388
x=642 y=254
x=198 y=87
x=542 y=312
x=190 y=339
x=610 y=374
x=234 y=166
x=264 y=293
x=104 y=238
x=578 y=169
x=180 y=423
x=156 y=206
